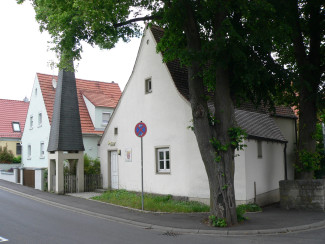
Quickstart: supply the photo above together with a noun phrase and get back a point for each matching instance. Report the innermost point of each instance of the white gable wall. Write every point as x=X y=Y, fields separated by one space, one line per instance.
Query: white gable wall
x=37 y=134
x=134 y=107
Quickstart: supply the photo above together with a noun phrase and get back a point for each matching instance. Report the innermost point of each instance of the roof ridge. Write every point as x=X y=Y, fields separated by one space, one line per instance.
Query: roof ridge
x=106 y=82
x=13 y=100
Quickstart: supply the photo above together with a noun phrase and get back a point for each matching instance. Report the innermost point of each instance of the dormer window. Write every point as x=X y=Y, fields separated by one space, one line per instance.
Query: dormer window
x=105 y=118
x=148 y=86
x=16 y=126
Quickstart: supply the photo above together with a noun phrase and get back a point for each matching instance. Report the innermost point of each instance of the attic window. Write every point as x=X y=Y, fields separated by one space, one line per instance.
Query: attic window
x=35 y=91
x=16 y=126
x=105 y=118
x=115 y=131
x=148 y=86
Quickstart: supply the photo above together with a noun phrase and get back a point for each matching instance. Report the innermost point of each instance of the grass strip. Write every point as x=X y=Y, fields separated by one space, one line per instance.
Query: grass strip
x=151 y=202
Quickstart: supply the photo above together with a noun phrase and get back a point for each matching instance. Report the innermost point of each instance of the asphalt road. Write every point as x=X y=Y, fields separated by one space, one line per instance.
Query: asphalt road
x=24 y=220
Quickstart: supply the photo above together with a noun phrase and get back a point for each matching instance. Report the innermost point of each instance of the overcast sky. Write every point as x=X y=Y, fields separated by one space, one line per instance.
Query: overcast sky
x=23 y=53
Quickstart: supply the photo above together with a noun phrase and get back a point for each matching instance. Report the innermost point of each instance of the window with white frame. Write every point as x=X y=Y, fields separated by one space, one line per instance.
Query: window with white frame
x=163 y=160
x=105 y=118
x=29 y=152
x=42 y=151
x=31 y=122
x=39 y=119
x=16 y=126
x=259 y=149
x=148 y=86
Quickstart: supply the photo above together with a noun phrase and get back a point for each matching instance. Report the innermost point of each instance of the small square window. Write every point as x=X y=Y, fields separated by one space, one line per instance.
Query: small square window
x=163 y=160
x=29 y=152
x=31 y=122
x=39 y=119
x=105 y=118
x=115 y=131
x=148 y=85
x=259 y=149
x=16 y=126
x=42 y=152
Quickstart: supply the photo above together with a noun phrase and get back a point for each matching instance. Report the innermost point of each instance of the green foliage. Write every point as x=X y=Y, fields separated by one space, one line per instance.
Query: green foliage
x=17 y=160
x=45 y=179
x=244 y=208
x=308 y=161
x=91 y=166
x=151 y=202
x=217 y=222
x=6 y=156
x=237 y=137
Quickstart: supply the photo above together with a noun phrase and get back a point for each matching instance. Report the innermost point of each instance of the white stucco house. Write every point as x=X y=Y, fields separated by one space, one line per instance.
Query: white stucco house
x=157 y=94
x=96 y=100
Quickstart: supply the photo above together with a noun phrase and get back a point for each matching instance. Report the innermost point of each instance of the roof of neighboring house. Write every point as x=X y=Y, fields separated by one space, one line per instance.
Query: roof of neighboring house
x=111 y=90
x=12 y=111
x=255 y=120
x=99 y=99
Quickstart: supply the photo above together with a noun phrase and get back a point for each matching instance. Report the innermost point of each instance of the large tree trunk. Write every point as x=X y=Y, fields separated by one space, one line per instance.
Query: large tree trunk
x=307 y=126
x=309 y=69
x=220 y=173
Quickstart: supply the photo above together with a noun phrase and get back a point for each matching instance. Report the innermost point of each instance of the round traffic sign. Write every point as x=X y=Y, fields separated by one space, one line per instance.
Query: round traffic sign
x=140 y=129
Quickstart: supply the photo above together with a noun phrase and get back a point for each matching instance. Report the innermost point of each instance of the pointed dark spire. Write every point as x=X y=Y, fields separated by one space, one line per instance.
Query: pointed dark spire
x=66 y=132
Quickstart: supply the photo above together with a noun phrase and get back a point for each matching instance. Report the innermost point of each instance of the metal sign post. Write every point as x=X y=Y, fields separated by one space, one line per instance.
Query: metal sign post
x=140 y=131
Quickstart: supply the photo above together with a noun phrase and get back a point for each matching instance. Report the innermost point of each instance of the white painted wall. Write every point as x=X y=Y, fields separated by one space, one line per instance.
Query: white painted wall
x=90 y=144
x=34 y=136
x=266 y=171
x=287 y=127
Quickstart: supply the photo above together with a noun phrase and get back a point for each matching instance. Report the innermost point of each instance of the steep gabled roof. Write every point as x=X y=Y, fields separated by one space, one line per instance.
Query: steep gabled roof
x=111 y=90
x=12 y=111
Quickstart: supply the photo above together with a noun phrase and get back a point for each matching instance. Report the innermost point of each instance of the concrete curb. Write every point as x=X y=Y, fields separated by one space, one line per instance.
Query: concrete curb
x=217 y=232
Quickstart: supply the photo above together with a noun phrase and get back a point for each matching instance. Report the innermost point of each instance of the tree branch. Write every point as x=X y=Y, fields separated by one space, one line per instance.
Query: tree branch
x=152 y=17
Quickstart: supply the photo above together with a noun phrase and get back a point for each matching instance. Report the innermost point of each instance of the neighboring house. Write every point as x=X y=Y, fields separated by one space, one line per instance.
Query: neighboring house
x=157 y=94
x=12 y=122
x=97 y=101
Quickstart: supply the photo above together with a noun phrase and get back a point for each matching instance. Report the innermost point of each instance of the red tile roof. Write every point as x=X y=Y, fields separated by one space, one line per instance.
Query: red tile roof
x=111 y=91
x=99 y=99
x=12 y=111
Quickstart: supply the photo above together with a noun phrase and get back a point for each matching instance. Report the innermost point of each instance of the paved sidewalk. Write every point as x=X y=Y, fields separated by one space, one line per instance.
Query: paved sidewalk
x=272 y=220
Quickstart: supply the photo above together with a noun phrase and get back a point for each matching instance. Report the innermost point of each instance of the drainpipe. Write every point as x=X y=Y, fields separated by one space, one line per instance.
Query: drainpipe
x=285 y=161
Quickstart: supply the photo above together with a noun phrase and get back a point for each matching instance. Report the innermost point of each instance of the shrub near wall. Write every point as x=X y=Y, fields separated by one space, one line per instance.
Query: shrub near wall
x=6 y=156
x=302 y=194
